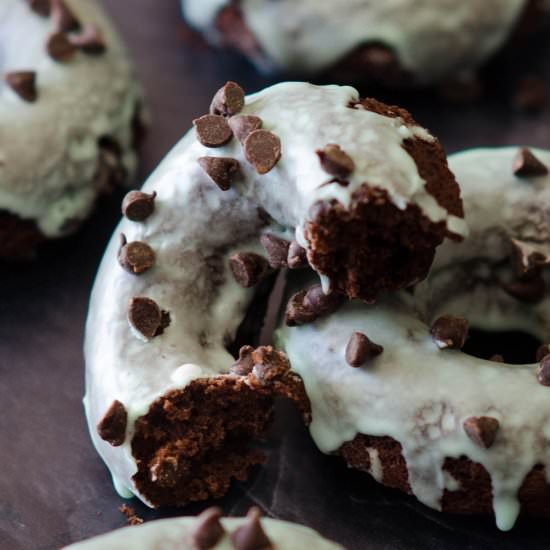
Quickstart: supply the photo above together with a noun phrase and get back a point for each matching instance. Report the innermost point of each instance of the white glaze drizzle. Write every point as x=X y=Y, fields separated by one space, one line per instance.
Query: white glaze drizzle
x=176 y=533
x=431 y=39
x=420 y=395
x=193 y=221
x=48 y=149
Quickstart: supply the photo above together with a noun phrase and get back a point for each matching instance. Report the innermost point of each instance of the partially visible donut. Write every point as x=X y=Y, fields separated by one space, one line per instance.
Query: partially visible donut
x=292 y=174
x=70 y=112
x=209 y=531
x=463 y=434
x=399 y=42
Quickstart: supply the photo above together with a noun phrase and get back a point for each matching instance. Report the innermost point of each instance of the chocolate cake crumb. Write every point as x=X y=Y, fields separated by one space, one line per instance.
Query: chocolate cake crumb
x=482 y=430
x=90 y=41
x=136 y=257
x=146 y=317
x=530 y=290
x=262 y=149
x=130 y=514
x=209 y=530
x=531 y=94
x=276 y=249
x=112 y=427
x=527 y=165
x=248 y=268
x=221 y=170
x=41 y=7
x=542 y=352
x=245 y=363
x=450 y=332
x=212 y=130
x=334 y=161
x=269 y=364
x=297 y=256
x=361 y=349
x=543 y=371
x=64 y=18
x=228 y=100
x=251 y=535
x=23 y=83
x=59 y=47
x=243 y=125
x=138 y=206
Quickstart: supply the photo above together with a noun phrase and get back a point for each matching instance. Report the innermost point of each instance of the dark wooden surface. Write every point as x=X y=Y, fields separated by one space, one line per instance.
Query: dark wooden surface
x=54 y=489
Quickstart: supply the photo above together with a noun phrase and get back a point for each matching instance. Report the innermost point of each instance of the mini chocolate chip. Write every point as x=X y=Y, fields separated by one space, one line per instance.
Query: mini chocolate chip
x=146 y=317
x=41 y=7
x=531 y=94
x=23 y=83
x=136 y=257
x=269 y=364
x=527 y=165
x=245 y=363
x=542 y=352
x=64 y=18
x=360 y=349
x=112 y=427
x=138 y=206
x=543 y=371
x=320 y=303
x=450 y=332
x=297 y=313
x=262 y=149
x=242 y=125
x=251 y=536
x=208 y=530
x=297 y=256
x=90 y=41
x=334 y=161
x=222 y=170
x=212 y=130
x=497 y=358
x=276 y=248
x=482 y=430
x=59 y=47
x=530 y=290
x=526 y=259
x=228 y=100
x=248 y=268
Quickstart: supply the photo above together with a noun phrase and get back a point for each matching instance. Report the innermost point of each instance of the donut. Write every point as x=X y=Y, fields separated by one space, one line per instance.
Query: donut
x=397 y=42
x=210 y=531
x=392 y=392
x=70 y=111
x=291 y=175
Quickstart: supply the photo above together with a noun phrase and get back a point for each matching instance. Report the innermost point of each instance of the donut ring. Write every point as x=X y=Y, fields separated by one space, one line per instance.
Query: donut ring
x=157 y=366
x=69 y=105
x=399 y=42
x=456 y=431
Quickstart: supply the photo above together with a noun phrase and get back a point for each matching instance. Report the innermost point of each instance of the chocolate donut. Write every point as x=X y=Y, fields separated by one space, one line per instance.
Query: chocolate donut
x=210 y=531
x=393 y=394
x=399 y=42
x=292 y=175
x=69 y=105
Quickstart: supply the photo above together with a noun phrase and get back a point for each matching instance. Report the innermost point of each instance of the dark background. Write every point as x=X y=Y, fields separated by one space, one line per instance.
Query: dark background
x=54 y=489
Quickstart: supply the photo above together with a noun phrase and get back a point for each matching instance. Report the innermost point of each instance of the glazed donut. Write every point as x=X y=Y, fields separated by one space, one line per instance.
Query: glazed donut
x=463 y=434
x=400 y=42
x=69 y=105
x=210 y=531
x=357 y=184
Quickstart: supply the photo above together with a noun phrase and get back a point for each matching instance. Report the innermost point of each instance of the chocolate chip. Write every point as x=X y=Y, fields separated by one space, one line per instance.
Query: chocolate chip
x=262 y=149
x=59 y=47
x=482 y=430
x=136 y=257
x=112 y=427
x=543 y=371
x=360 y=349
x=208 y=530
x=212 y=130
x=531 y=94
x=497 y=358
x=90 y=41
x=222 y=170
x=527 y=165
x=526 y=259
x=64 y=18
x=542 y=352
x=228 y=101
x=146 y=317
x=297 y=313
x=245 y=363
x=131 y=517
x=41 y=7
x=335 y=162
x=530 y=290
x=138 y=206
x=251 y=536
x=269 y=364
x=248 y=268
x=297 y=256
x=242 y=125
x=23 y=83
x=320 y=303
x=450 y=332
x=276 y=248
